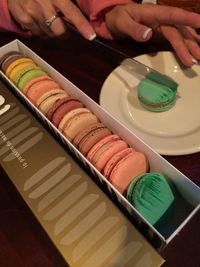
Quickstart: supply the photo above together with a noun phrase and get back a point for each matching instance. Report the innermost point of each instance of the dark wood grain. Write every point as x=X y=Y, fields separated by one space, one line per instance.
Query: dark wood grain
x=23 y=242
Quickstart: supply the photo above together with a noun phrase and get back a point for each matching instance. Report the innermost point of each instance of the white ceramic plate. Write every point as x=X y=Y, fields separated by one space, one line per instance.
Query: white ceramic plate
x=173 y=132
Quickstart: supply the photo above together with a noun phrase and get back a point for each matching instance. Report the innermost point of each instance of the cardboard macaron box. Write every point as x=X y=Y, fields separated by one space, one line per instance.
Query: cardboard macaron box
x=156 y=197
x=82 y=222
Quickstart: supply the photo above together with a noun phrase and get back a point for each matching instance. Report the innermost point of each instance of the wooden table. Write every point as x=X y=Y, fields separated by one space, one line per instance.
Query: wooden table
x=23 y=243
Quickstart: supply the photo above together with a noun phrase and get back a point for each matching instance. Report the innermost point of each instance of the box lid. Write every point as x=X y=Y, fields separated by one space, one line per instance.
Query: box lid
x=82 y=222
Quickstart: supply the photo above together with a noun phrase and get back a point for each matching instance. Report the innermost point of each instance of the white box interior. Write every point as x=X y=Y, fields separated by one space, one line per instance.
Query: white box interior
x=185 y=186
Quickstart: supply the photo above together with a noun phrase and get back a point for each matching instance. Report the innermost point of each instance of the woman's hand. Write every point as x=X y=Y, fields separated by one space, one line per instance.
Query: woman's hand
x=139 y=21
x=32 y=16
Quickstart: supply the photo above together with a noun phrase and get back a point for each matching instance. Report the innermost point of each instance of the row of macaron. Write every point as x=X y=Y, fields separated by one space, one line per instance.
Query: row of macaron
x=121 y=164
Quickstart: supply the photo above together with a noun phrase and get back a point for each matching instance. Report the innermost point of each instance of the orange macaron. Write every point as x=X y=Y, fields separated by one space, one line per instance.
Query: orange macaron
x=39 y=86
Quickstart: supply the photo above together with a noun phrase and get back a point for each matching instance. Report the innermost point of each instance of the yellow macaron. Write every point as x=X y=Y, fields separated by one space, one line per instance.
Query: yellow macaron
x=20 y=69
x=15 y=63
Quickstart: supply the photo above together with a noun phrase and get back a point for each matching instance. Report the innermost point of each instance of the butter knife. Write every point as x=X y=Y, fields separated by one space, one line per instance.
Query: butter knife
x=138 y=69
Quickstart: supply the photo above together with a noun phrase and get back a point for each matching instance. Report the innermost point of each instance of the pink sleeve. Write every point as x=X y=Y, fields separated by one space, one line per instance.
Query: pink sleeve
x=95 y=10
x=6 y=21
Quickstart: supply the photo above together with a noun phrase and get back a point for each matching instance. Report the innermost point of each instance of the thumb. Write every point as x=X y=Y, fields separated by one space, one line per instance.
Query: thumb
x=139 y=32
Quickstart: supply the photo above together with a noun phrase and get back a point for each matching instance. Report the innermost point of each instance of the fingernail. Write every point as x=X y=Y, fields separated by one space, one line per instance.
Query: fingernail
x=194 y=60
x=145 y=34
x=92 y=36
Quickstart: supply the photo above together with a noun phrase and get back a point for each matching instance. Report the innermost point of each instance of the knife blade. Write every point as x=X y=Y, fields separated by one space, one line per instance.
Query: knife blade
x=138 y=69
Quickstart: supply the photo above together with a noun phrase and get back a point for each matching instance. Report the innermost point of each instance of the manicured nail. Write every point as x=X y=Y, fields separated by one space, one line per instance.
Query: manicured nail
x=92 y=36
x=194 y=60
x=145 y=34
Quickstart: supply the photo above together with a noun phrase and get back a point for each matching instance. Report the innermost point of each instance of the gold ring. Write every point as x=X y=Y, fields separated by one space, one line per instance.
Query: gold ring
x=49 y=21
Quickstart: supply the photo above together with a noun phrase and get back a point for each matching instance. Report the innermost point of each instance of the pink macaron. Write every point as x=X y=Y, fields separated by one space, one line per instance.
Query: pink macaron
x=115 y=159
x=102 y=151
x=127 y=168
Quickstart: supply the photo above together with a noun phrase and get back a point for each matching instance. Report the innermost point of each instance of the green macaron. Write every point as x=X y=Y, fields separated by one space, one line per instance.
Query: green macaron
x=153 y=195
x=156 y=97
x=29 y=75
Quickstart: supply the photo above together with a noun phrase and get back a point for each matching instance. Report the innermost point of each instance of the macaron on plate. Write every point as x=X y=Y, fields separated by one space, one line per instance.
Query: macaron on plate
x=155 y=113
x=156 y=97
